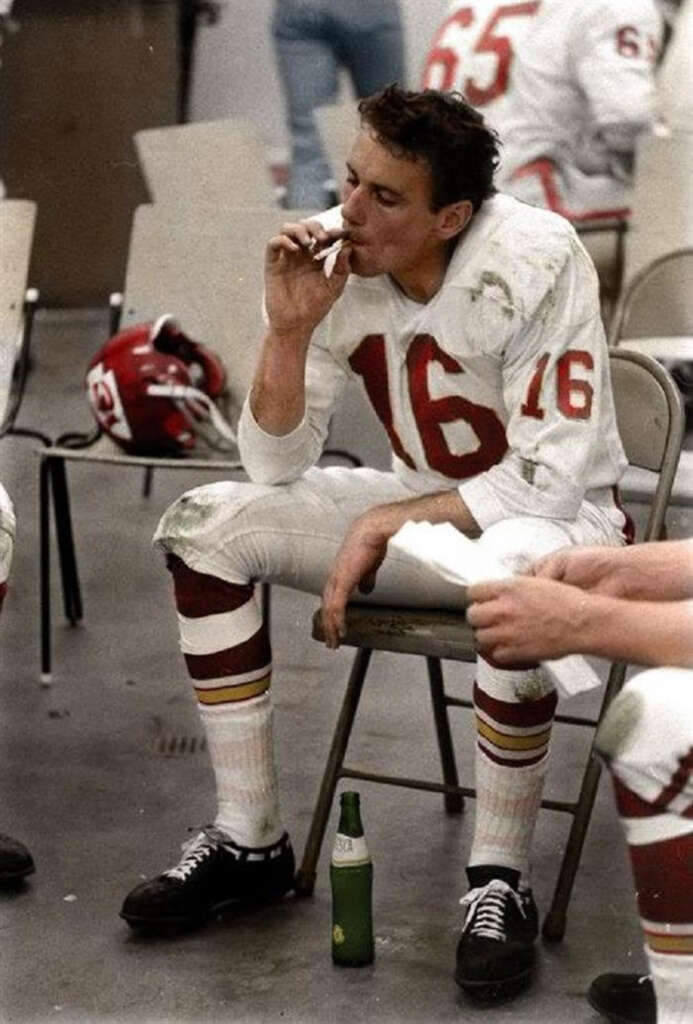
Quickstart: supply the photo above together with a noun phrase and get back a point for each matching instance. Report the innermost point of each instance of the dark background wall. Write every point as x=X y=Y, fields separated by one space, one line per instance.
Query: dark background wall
x=78 y=78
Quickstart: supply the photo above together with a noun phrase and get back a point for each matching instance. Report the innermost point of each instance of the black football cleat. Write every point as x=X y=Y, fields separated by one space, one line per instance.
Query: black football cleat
x=495 y=953
x=624 y=998
x=15 y=861
x=212 y=873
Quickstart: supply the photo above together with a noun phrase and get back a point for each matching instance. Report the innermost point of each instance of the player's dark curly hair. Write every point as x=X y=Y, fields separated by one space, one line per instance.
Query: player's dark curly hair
x=440 y=127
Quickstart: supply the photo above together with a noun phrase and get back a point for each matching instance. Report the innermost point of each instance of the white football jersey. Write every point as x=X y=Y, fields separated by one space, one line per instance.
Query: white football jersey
x=473 y=52
x=499 y=384
x=583 y=86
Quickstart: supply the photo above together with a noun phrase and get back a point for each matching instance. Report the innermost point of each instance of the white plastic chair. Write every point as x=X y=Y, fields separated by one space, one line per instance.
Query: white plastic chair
x=17 y=307
x=204 y=265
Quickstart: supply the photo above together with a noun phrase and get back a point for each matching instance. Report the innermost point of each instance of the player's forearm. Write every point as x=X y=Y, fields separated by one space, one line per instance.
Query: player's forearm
x=440 y=507
x=277 y=395
x=641 y=632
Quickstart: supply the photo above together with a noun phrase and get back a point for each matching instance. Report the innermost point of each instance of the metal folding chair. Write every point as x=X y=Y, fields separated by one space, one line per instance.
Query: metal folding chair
x=651 y=424
x=655 y=316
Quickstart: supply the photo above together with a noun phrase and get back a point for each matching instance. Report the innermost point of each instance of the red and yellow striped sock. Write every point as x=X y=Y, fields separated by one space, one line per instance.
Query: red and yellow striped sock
x=660 y=843
x=514 y=715
x=228 y=655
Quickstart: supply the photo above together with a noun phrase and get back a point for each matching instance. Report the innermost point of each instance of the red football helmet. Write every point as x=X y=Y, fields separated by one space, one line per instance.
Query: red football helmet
x=154 y=391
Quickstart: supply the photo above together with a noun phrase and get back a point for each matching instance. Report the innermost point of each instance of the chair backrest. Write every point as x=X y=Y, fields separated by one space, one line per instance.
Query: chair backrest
x=17 y=218
x=651 y=422
x=204 y=265
x=658 y=301
x=662 y=218
x=215 y=162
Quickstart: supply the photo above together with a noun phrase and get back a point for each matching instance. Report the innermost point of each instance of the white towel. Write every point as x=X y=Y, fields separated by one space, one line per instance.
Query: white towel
x=458 y=559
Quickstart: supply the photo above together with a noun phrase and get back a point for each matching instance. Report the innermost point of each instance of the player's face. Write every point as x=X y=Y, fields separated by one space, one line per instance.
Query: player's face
x=387 y=210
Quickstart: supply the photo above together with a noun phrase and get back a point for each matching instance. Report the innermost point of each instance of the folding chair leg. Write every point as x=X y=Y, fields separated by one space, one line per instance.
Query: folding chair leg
x=147 y=482
x=553 y=928
x=44 y=567
x=454 y=802
x=72 y=596
x=304 y=882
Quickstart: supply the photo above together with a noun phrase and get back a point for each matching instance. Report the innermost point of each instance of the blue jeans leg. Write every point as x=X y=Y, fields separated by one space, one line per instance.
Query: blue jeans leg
x=308 y=69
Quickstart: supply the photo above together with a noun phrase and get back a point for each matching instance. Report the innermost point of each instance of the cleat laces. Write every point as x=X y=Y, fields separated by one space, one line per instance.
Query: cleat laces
x=486 y=913
x=197 y=850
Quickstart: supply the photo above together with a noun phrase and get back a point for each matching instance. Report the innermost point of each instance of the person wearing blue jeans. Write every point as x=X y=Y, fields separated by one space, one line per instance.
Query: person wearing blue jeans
x=313 y=40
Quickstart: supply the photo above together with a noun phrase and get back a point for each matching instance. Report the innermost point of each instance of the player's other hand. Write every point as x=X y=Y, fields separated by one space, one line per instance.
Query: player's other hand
x=597 y=569
x=298 y=294
x=525 y=619
x=357 y=562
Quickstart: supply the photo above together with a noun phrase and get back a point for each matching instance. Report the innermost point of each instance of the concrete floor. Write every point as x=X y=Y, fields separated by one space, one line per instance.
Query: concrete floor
x=93 y=782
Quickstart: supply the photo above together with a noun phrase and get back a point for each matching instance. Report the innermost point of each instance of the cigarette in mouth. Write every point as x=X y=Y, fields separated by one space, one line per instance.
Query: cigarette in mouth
x=324 y=253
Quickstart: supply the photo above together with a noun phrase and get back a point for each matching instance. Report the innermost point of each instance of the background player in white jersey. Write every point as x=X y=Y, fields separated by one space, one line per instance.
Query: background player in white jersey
x=15 y=860
x=633 y=603
x=472 y=321
x=568 y=85
x=473 y=52
x=583 y=88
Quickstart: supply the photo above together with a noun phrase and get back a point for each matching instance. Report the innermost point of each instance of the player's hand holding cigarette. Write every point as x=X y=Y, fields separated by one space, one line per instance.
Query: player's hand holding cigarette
x=306 y=268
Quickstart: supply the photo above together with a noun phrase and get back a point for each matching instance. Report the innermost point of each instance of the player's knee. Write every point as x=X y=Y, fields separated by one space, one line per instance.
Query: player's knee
x=647 y=699
x=517 y=543
x=205 y=518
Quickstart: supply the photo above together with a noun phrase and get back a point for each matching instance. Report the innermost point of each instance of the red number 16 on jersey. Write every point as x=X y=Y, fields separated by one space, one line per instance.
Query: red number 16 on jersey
x=369 y=361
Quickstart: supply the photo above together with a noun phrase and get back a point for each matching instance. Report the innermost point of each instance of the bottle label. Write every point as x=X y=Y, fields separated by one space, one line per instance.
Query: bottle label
x=350 y=851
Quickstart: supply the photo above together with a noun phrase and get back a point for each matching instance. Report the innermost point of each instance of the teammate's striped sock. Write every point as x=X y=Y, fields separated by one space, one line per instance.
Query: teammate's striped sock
x=514 y=714
x=661 y=852
x=227 y=651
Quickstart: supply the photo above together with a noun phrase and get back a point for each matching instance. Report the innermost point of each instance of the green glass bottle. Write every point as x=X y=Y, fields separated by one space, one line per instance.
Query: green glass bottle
x=351 y=875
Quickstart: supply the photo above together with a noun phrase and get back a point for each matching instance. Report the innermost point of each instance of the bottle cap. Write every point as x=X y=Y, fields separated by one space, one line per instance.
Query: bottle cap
x=349 y=797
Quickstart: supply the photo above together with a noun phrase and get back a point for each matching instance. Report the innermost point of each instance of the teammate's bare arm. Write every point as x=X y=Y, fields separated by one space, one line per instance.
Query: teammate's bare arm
x=529 y=619
x=644 y=572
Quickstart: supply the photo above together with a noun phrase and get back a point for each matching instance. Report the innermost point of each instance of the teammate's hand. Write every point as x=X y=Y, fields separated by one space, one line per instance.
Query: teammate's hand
x=298 y=295
x=356 y=565
x=526 y=619
x=597 y=569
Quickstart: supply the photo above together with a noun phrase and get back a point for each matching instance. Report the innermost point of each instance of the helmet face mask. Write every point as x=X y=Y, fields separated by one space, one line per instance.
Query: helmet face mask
x=154 y=391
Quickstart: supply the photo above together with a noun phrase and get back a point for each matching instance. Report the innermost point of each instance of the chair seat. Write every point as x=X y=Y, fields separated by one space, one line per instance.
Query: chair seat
x=423 y=631
x=106 y=451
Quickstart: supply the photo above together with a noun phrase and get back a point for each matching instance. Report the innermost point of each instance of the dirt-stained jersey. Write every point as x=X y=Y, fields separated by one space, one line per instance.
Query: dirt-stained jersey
x=498 y=385
x=473 y=52
x=583 y=86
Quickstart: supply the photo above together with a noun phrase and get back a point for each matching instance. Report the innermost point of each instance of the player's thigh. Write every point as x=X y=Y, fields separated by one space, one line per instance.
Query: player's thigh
x=286 y=534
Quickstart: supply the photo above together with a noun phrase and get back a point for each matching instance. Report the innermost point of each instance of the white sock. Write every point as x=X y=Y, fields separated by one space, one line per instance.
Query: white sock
x=672 y=977
x=514 y=714
x=240 y=742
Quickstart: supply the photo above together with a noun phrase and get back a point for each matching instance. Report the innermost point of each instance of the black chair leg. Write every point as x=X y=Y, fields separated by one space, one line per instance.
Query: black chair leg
x=44 y=570
x=72 y=596
x=305 y=877
x=553 y=928
x=554 y=925
x=147 y=482
x=454 y=802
